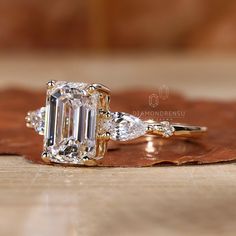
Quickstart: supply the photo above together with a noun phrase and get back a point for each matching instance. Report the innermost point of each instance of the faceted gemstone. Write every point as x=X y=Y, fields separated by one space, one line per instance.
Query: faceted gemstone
x=70 y=126
x=36 y=120
x=123 y=126
x=166 y=128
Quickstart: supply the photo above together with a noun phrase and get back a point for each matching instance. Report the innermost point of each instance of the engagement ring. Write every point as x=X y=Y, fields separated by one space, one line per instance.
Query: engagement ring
x=77 y=124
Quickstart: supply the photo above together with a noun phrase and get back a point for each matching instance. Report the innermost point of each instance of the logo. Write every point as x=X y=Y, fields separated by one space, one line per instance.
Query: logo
x=162 y=94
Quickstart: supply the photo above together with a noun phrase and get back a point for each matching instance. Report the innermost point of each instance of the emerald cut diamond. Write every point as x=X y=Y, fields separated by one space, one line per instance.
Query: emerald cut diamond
x=70 y=123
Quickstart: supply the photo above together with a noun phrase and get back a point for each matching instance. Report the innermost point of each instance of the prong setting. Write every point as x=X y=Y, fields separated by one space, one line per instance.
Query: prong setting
x=100 y=88
x=91 y=89
x=164 y=128
x=45 y=157
x=105 y=136
x=28 y=121
x=51 y=84
x=36 y=119
x=104 y=114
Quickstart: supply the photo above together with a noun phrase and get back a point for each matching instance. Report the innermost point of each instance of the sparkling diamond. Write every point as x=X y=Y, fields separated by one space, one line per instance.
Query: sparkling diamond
x=70 y=126
x=123 y=126
x=167 y=129
x=36 y=120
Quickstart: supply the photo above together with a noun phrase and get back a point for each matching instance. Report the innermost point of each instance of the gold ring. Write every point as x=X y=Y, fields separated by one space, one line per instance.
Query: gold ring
x=77 y=124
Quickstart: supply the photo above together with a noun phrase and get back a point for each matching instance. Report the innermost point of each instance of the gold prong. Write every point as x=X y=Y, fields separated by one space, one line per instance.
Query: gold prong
x=90 y=163
x=45 y=157
x=27 y=119
x=91 y=89
x=106 y=136
x=100 y=88
x=51 y=84
x=28 y=125
x=104 y=114
x=103 y=105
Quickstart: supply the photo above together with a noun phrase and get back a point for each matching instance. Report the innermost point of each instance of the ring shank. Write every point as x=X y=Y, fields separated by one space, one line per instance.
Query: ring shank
x=188 y=130
x=180 y=130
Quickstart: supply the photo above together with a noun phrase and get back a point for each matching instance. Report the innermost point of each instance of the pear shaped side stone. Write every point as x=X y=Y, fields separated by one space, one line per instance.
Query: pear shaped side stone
x=123 y=126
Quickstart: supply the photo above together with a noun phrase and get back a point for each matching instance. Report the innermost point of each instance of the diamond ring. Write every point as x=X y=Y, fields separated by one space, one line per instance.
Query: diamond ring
x=77 y=124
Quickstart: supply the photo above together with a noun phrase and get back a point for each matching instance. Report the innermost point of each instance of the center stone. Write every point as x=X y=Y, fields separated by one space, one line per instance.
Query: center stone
x=70 y=128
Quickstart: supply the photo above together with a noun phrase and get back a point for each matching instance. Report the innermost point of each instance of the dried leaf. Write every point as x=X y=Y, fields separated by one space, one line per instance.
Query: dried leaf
x=218 y=146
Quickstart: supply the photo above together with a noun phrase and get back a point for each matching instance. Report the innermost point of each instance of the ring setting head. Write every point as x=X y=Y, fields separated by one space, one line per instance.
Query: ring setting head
x=71 y=123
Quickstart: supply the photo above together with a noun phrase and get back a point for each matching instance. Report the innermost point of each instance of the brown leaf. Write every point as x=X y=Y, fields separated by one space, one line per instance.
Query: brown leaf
x=218 y=146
